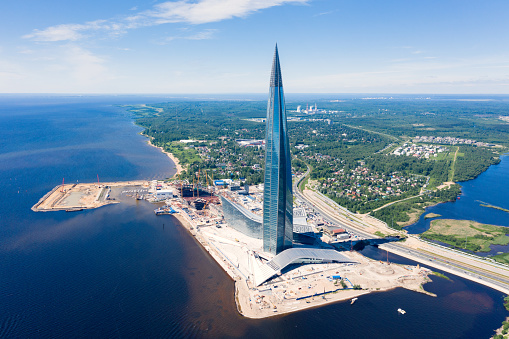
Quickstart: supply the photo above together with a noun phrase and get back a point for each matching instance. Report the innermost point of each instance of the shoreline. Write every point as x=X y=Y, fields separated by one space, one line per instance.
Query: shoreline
x=412 y=222
x=449 y=260
x=173 y=158
x=243 y=294
x=81 y=196
x=447 y=269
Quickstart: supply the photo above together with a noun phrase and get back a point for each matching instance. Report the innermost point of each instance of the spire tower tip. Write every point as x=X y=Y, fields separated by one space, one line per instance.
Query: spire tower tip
x=275 y=78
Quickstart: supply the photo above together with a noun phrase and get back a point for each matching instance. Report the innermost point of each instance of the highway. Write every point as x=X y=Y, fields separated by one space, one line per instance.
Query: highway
x=453 y=262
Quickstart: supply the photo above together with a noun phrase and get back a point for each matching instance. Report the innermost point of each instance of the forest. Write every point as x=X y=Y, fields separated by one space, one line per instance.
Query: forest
x=399 y=213
x=348 y=142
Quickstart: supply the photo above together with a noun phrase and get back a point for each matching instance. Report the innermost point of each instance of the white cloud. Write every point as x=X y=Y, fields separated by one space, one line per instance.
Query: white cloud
x=182 y=11
x=26 y=51
x=6 y=77
x=324 y=13
x=70 y=32
x=57 y=69
x=56 y=33
x=483 y=75
x=206 y=11
x=10 y=74
x=203 y=35
x=85 y=67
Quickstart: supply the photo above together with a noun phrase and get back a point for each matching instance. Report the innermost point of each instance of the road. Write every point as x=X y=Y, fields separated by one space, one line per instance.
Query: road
x=397 y=201
x=375 y=132
x=449 y=260
x=453 y=166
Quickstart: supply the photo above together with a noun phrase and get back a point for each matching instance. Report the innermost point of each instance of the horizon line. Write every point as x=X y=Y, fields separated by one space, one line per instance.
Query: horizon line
x=244 y=93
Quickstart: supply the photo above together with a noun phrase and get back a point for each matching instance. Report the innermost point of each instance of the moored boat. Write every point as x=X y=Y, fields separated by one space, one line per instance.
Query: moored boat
x=164 y=210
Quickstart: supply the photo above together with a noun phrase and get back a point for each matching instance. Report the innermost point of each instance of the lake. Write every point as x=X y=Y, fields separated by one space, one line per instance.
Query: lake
x=489 y=188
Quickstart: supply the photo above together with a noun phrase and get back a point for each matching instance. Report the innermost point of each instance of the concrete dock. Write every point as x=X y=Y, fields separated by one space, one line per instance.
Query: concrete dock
x=76 y=197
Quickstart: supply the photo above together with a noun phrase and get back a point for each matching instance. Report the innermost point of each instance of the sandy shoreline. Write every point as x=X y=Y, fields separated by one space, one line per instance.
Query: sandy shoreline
x=173 y=158
x=245 y=296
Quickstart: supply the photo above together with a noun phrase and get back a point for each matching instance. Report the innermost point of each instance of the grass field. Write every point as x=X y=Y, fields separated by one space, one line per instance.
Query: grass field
x=467 y=234
x=503 y=258
x=432 y=215
x=185 y=154
x=438 y=274
x=495 y=207
x=444 y=156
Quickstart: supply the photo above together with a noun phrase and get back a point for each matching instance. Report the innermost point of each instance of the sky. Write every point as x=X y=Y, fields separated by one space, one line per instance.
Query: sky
x=226 y=46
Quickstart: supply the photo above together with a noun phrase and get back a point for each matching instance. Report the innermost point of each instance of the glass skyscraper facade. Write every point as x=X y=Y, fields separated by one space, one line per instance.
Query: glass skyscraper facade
x=277 y=196
x=242 y=220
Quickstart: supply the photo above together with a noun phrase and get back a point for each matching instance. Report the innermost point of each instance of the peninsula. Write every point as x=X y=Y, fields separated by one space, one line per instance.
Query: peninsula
x=79 y=196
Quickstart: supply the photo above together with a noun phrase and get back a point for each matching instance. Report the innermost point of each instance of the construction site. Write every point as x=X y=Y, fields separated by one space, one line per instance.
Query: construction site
x=268 y=285
x=264 y=285
x=80 y=196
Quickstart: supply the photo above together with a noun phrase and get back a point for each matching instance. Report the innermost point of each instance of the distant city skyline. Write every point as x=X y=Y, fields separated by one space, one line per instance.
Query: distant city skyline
x=214 y=46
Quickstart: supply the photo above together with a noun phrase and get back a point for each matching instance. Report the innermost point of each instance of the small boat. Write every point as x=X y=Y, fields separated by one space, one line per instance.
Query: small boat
x=353 y=300
x=164 y=210
x=401 y=311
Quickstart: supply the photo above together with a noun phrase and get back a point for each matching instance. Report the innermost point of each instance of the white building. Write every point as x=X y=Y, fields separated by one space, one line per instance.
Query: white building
x=163 y=194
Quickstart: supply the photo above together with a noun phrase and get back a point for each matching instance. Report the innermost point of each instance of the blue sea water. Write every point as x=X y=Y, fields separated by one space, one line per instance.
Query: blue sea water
x=120 y=271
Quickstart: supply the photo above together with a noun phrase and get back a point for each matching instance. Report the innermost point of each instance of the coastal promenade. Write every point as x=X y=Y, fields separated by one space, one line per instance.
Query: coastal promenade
x=481 y=270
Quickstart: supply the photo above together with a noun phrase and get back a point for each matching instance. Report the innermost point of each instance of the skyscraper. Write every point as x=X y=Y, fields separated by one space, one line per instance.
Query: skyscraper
x=277 y=196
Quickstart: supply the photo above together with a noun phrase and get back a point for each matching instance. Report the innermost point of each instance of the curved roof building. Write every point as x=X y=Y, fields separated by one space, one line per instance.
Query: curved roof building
x=296 y=256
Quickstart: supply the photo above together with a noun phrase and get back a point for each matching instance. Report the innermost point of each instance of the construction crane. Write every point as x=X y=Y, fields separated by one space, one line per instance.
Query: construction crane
x=207 y=179
x=198 y=185
x=213 y=186
x=206 y=204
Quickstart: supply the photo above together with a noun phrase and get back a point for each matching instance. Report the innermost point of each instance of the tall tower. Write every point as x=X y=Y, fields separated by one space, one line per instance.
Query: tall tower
x=277 y=194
